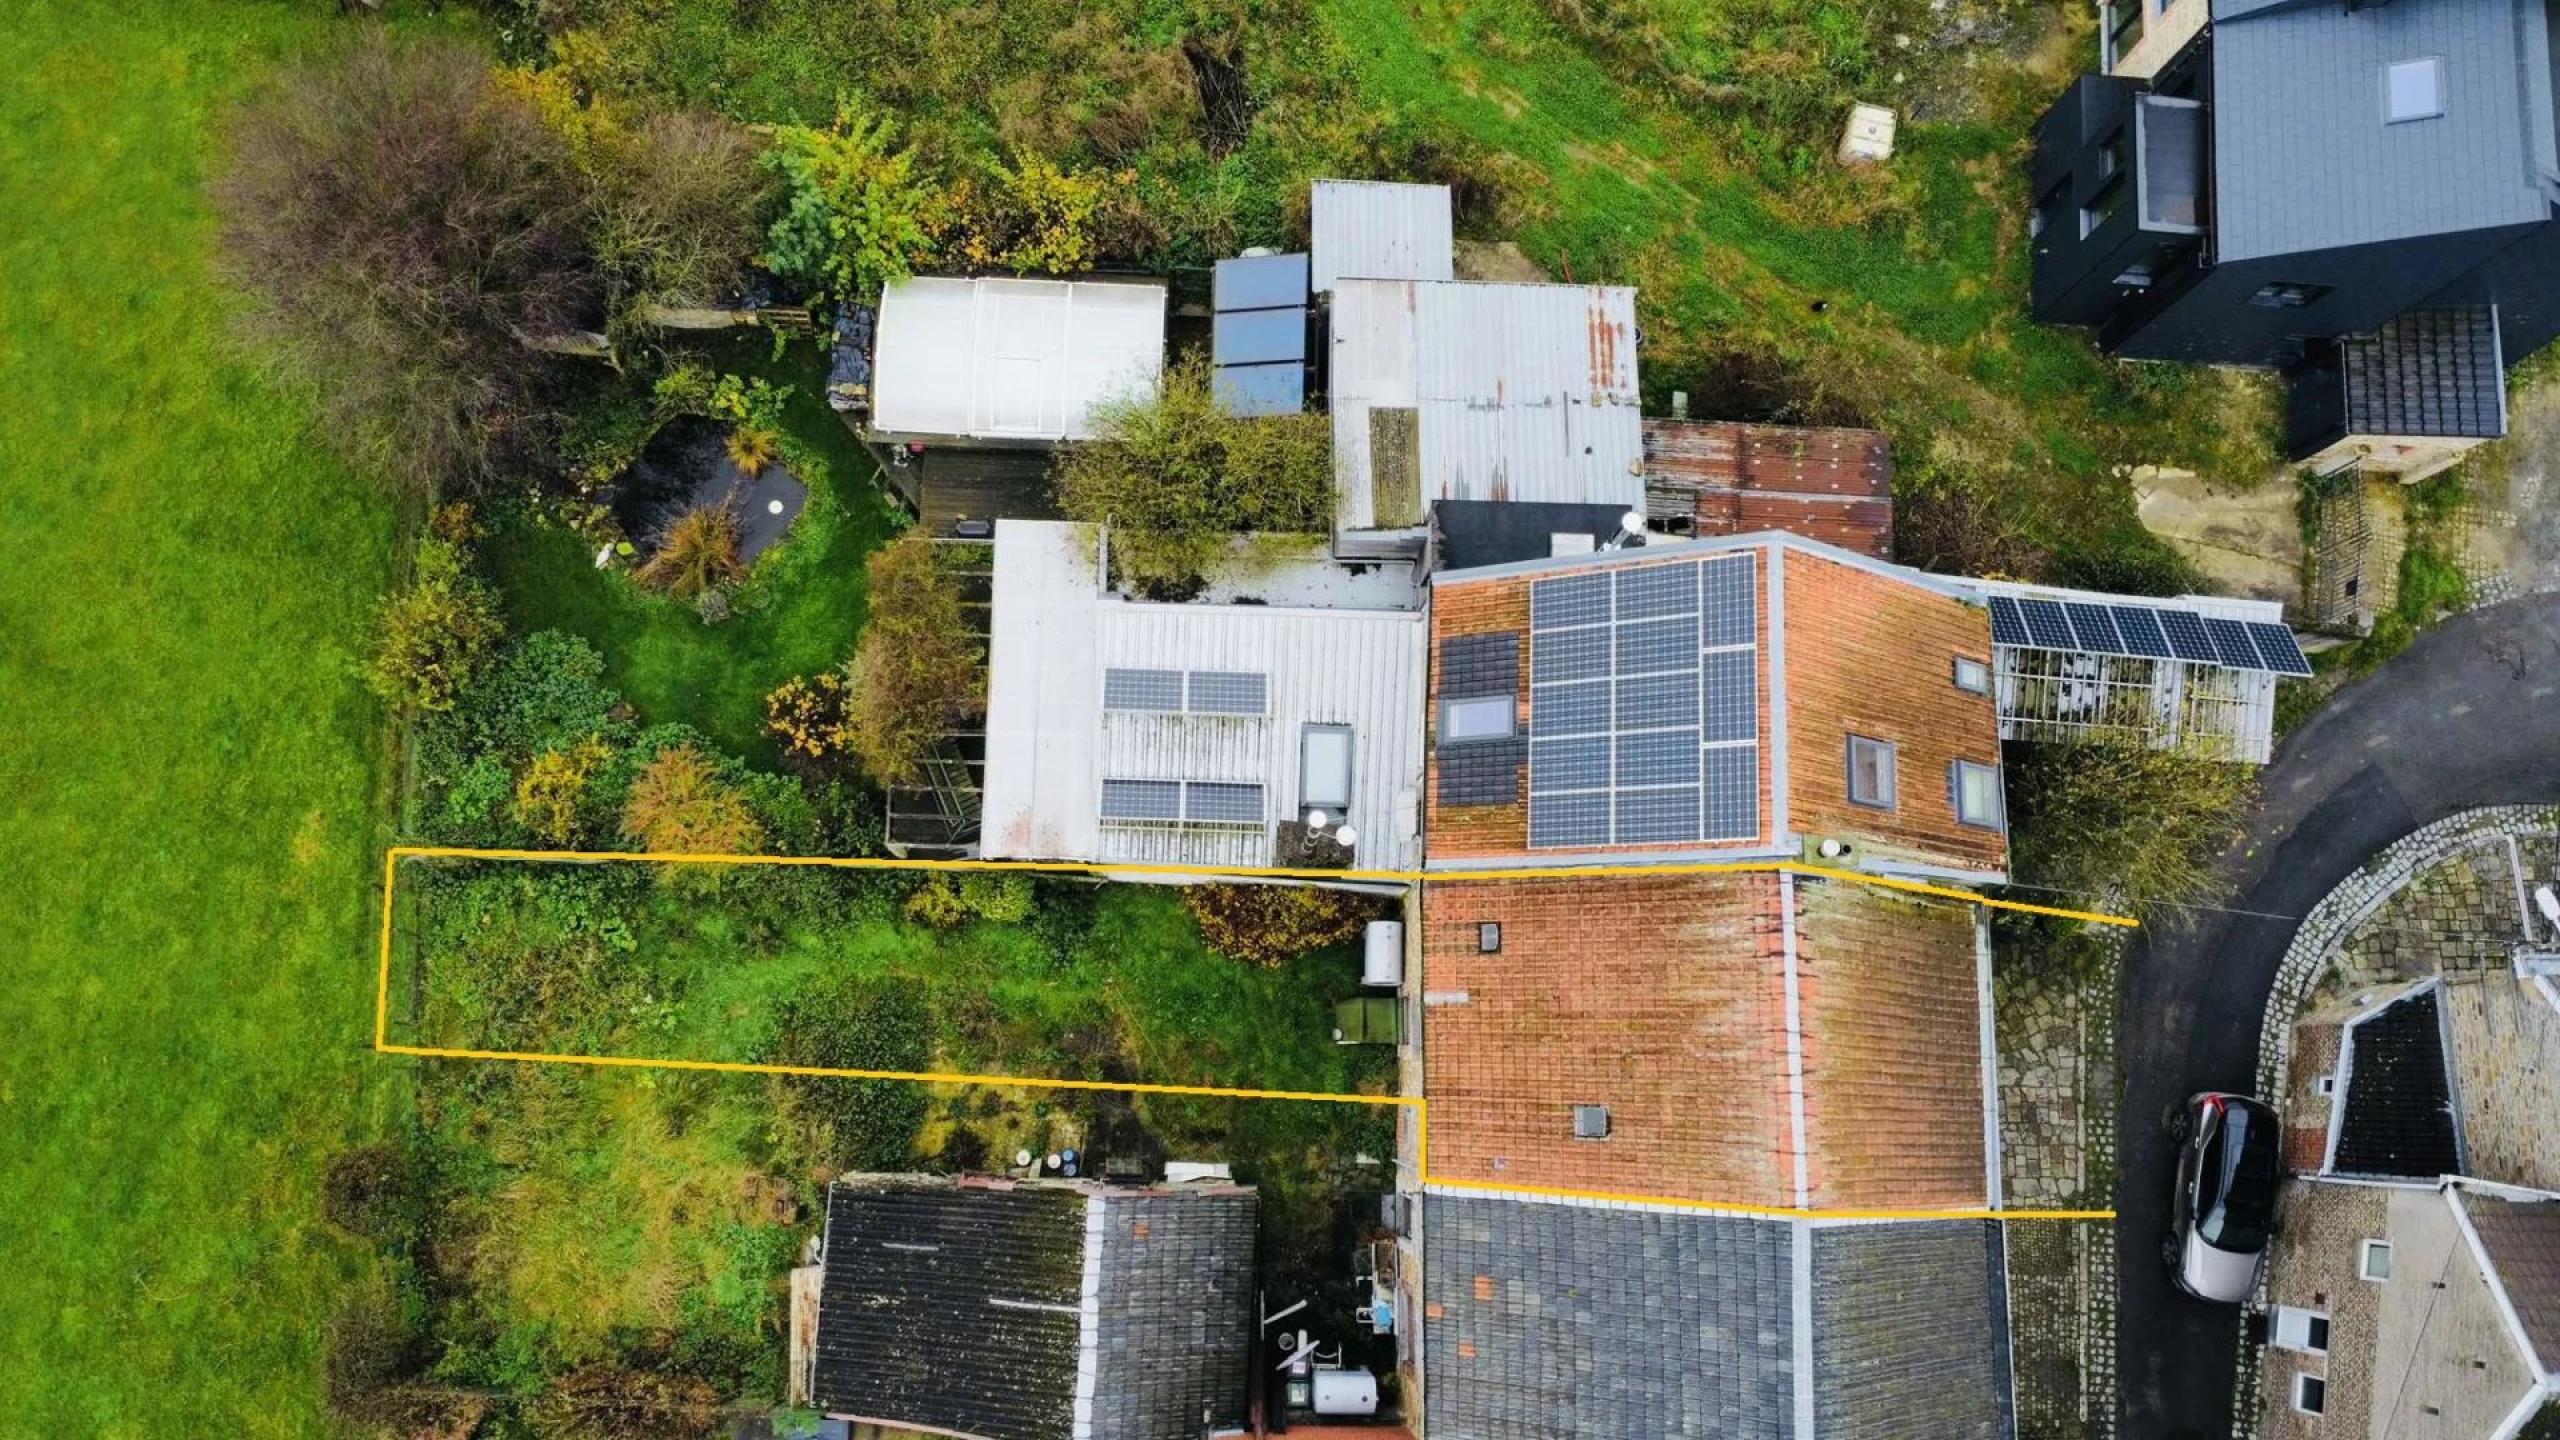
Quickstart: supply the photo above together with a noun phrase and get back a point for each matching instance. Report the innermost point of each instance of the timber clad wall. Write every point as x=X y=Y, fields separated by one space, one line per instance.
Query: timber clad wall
x=1892 y=1048
x=1663 y=998
x=1871 y=656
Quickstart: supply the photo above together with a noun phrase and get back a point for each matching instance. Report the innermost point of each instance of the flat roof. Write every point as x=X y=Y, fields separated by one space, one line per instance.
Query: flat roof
x=1006 y=359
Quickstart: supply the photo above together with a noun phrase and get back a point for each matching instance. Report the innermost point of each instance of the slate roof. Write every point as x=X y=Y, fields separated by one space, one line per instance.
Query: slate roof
x=1910 y=1332
x=2398 y=1114
x=1726 y=478
x=964 y=1308
x=1568 y=1321
x=2303 y=160
x=2429 y=372
x=2523 y=1241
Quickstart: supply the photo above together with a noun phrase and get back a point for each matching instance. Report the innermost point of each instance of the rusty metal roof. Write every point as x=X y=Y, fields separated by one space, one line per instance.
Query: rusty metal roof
x=1727 y=478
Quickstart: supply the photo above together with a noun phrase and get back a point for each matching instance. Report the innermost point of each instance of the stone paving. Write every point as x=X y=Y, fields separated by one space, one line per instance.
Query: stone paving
x=2055 y=1027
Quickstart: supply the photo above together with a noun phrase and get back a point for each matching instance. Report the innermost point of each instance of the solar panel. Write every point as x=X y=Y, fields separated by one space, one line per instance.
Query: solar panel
x=1658 y=645
x=2049 y=626
x=1574 y=600
x=2140 y=629
x=2187 y=637
x=1259 y=282
x=1279 y=389
x=1142 y=690
x=1570 y=655
x=1576 y=709
x=2231 y=641
x=1652 y=591
x=1733 y=792
x=2279 y=649
x=1218 y=802
x=2096 y=629
x=1663 y=757
x=1581 y=763
x=1229 y=692
x=1648 y=702
x=1258 y=337
x=1581 y=819
x=2008 y=625
x=1732 y=695
x=1141 y=800
x=1732 y=600
x=1655 y=816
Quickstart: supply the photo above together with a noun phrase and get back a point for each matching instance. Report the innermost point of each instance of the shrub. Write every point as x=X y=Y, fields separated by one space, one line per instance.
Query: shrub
x=858 y=1023
x=680 y=804
x=2115 y=820
x=699 y=552
x=437 y=633
x=853 y=213
x=552 y=788
x=943 y=902
x=806 y=714
x=752 y=447
x=1039 y=215
x=1271 y=925
x=404 y=227
x=679 y=212
x=1175 y=477
x=604 y=1402
x=920 y=666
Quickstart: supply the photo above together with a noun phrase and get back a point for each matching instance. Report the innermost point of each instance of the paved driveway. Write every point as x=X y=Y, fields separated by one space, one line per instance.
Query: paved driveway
x=2467 y=716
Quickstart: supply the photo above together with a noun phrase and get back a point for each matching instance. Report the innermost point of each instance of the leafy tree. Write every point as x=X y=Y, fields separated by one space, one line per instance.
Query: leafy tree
x=436 y=634
x=854 y=211
x=699 y=552
x=405 y=227
x=2116 y=820
x=553 y=786
x=1271 y=925
x=1176 y=477
x=681 y=804
x=919 y=668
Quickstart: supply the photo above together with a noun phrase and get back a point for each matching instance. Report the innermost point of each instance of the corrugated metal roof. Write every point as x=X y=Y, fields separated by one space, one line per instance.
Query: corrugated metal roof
x=1463 y=391
x=1372 y=230
x=1050 y=744
x=1013 y=359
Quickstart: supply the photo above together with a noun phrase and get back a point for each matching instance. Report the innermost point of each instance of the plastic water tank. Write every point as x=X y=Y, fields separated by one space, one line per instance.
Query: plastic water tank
x=1346 y=1392
x=1382 y=963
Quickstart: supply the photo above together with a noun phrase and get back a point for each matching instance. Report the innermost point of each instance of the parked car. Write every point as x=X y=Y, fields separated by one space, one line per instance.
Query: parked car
x=2226 y=1200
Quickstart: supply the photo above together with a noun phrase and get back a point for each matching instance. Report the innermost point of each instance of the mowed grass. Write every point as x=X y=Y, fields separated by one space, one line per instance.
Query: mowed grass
x=189 y=757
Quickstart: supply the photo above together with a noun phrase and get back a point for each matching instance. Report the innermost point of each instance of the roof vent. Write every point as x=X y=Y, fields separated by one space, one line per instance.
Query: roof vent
x=1590 y=1122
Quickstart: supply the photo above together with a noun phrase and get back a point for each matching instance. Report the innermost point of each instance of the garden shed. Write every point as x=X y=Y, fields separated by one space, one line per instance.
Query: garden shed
x=1011 y=362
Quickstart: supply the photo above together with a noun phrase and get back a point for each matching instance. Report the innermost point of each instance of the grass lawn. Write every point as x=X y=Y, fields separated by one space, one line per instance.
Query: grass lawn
x=798 y=614
x=190 y=760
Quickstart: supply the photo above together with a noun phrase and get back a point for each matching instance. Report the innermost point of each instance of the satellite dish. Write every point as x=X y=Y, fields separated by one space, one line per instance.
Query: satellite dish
x=1346 y=837
x=1632 y=522
x=1316 y=819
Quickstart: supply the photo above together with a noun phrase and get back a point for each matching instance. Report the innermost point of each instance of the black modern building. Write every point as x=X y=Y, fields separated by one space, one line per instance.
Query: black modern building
x=2360 y=194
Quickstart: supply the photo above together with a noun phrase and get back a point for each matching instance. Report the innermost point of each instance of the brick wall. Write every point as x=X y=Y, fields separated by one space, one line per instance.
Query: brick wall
x=1872 y=656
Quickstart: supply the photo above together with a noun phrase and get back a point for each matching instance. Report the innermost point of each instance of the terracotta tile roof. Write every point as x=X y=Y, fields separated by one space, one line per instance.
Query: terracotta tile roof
x=1835 y=486
x=1665 y=998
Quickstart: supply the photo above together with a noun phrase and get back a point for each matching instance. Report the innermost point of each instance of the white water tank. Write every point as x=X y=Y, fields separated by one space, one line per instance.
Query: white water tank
x=1346 y=1392
x=1382 y=962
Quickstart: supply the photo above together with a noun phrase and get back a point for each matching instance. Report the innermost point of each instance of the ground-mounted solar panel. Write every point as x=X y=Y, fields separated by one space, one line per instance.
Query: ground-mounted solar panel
x=1141 y=799
x=1221 y=803
x=2008 y=623
x=1229 y=692
x=2187 y=637
x=2277 y=647
x=2231 y=643
x=2048 y=626
x=1141 y=689
x=2140 y=628
x=2095 y=627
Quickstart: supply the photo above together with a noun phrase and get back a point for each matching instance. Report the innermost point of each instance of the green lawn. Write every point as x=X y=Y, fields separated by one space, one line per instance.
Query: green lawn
x=190 y=761
x=799 y=613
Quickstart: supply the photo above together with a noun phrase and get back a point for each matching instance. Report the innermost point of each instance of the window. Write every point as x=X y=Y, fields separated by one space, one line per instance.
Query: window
x=2413 y=89
x=1486 y=717
x=1972 y=676
x=1590 y=1122
x=1324 y=767
x=2310 y=1394
x=1870 y=772
x=2124 y=28
x=2111 y=153
x=2325 y=1086
x=1488 y=937
x=2287 y=295
x=2096 y=212
x=2303 y=1331
x=2373 y=1260
x=1975 y=791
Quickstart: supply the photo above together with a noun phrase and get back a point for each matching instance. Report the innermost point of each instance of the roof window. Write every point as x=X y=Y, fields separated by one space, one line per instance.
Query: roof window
x=1590 y=1122
x=2413 y=89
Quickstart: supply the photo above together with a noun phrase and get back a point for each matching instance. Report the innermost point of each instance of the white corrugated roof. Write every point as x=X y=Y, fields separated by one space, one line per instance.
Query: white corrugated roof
x=1521 y=392
x=1050 y=744
x=1013 y=359
x=1370 y=229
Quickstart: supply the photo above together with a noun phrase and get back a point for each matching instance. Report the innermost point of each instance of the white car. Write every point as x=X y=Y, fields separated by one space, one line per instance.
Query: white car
x=2228 y=1167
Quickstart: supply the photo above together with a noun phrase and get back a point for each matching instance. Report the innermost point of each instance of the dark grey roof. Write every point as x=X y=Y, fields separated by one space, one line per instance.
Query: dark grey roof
x=1562 y=1321
x=1175 y=1331
x=1498 y=532
x=2303 y=160
x=961 y=1308
x=1910 y=1332
x=2399 y=1106
x=2429 y=372
x=2523 y=1241
x=1480 y=772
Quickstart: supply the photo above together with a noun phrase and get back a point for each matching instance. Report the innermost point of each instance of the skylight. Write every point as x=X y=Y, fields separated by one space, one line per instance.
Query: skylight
x=2413 y=89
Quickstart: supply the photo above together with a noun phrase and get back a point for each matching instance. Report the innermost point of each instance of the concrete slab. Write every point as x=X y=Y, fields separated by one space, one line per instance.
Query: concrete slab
x=2246 y=540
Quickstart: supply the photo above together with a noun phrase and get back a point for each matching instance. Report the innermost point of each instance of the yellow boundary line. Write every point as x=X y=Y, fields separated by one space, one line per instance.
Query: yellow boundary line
x=1420 y=1107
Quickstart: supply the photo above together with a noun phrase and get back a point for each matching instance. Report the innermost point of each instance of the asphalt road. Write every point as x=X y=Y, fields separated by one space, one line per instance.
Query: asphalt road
x=2468 y=716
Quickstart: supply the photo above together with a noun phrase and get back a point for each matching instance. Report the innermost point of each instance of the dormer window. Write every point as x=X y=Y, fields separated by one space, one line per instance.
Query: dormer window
x=2413 y=89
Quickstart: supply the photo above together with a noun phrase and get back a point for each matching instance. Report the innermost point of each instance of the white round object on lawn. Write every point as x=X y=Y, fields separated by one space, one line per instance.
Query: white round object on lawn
x=773 y=507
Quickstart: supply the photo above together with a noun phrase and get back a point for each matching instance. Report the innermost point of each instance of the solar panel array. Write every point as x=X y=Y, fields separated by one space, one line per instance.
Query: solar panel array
x=1176 y=802
x=2156 y=632
x=1198 y=692
x=1258 y=334
x=1644 y=715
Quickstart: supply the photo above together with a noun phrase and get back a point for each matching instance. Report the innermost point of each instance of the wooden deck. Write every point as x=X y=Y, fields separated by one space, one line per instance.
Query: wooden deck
x=954 y=485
